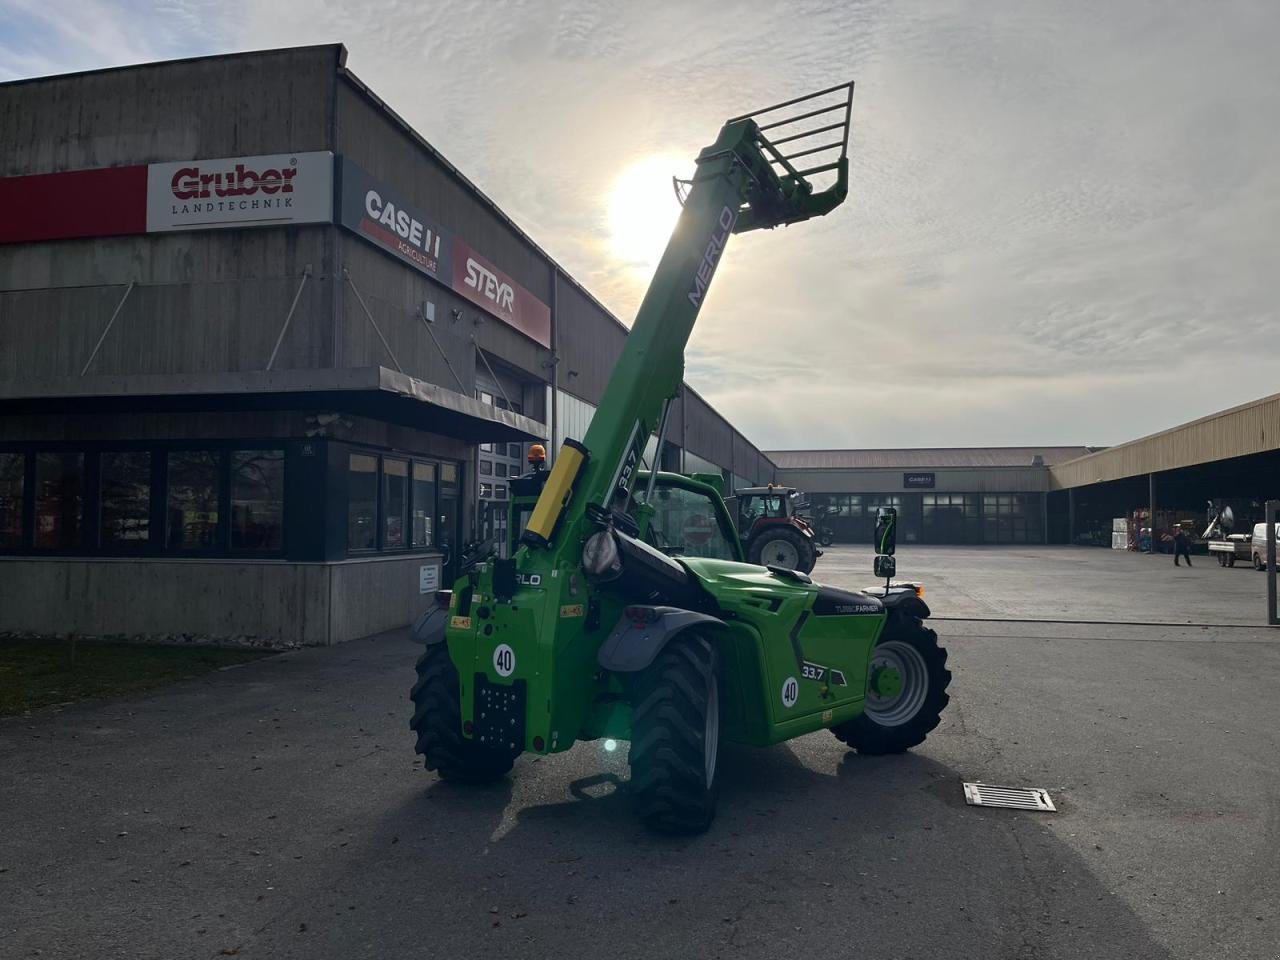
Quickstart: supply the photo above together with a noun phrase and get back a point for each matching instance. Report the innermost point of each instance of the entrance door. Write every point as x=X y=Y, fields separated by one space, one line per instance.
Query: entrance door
x=449 y=529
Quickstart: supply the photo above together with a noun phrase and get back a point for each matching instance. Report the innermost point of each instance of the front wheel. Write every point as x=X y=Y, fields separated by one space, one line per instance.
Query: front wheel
x=437 y=721
x=675 y=737
x=906 y=691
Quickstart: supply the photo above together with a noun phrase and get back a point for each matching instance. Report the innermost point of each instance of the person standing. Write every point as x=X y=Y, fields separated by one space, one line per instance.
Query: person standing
x=1181 y=545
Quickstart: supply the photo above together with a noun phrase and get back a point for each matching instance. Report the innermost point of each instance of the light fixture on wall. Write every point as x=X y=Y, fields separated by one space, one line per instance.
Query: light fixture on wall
x=572 y=374
x=455 y=314
x=548 y=364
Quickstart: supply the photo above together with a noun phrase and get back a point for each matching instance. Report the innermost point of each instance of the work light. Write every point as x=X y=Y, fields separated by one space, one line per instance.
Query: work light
x=600 y=557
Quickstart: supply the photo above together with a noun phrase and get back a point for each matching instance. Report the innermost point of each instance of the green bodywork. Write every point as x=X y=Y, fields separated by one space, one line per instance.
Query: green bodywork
x=555 y=619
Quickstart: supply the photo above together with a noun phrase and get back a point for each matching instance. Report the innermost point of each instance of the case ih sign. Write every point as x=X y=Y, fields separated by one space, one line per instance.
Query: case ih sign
x=386 y=219
x=240 y=192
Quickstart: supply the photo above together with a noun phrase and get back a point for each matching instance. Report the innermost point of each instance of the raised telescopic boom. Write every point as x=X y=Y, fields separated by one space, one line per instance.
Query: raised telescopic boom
x=749 y=179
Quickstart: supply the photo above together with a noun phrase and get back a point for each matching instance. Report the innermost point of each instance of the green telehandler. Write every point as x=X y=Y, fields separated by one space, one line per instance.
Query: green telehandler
x=626 y=611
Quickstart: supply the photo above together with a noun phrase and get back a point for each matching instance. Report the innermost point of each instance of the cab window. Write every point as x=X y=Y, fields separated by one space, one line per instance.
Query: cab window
x=686 y=523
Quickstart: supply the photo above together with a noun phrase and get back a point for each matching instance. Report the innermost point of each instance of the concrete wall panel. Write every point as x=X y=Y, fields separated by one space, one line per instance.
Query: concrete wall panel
x=212 y=600
x=269 y=102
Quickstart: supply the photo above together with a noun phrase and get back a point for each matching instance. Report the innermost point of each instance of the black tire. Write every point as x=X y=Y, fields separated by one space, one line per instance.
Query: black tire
x=1259 y=563
x=675 y=730
x=437 y=720
x=758 y=550
x=870 y=735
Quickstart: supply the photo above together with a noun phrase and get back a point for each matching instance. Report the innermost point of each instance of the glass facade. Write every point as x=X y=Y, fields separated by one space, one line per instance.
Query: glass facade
x=933 y=517
x=192 y=501
x=59 y=500
x=257 y=500
x=125 y=492
x=13 y=475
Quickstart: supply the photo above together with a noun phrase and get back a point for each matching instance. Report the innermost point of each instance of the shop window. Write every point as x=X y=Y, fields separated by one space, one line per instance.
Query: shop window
x=513 y=451
x=13 y=469
x=126 y=498
x=257 y=500
x=192 y=502
x=500 y=469
x=395 y=502
x=59 y=500
x=362 y=502
x=486 y=491
x=424 y=503
x=486 y=468
x=447 y=529
x=499 y=491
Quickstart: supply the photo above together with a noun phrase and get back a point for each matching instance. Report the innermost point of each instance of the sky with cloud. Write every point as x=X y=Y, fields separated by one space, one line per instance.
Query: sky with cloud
x=1063 y=217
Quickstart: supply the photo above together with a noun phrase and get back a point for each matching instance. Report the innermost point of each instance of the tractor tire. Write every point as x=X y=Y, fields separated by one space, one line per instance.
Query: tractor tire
x=898 y=723
x=782 y=547
x=675 y=737
x=437 y=720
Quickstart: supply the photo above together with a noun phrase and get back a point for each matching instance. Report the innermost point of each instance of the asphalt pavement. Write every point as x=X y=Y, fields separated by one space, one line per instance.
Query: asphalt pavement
x=276 y=810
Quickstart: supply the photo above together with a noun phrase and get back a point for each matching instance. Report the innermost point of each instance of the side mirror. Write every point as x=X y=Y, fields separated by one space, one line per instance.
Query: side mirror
x=886 y=567
x=886 y=541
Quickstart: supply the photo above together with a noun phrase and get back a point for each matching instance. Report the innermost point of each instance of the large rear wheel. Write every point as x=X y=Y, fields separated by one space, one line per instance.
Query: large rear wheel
x=780 y=546
x=437 y=720
x=906 y=691
x=675 y=737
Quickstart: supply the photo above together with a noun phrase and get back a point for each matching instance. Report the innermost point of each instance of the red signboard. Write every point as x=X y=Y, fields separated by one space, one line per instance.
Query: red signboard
x=80 y=203
x=489 y=288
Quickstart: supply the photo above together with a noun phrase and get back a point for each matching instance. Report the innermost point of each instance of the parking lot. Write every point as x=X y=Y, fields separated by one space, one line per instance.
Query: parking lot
x=1066 y=583
x=276 y=809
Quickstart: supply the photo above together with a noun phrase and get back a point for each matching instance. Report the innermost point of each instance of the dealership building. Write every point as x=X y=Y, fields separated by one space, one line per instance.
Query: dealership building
x=267 y=360
x=1056 y=494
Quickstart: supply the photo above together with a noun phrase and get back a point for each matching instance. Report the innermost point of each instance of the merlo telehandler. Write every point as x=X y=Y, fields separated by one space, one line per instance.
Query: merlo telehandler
x=626 y=611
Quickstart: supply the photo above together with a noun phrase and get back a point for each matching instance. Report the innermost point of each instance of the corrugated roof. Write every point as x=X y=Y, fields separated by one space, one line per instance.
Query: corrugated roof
x=922 y=457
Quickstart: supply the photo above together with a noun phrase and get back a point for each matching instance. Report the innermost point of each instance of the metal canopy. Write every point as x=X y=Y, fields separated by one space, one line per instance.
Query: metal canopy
x=374 y=392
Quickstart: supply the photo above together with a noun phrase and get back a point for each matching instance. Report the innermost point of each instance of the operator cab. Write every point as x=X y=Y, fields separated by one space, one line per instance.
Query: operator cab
x=689 y=519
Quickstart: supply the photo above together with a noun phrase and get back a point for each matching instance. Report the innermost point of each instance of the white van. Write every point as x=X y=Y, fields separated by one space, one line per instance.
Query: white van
x=1259 y=545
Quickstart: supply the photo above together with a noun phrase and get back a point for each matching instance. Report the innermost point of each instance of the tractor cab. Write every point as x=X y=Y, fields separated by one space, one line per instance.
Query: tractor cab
x=773 y=529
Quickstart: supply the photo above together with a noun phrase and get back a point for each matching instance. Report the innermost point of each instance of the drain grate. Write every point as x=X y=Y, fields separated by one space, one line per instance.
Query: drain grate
x=1016 y=798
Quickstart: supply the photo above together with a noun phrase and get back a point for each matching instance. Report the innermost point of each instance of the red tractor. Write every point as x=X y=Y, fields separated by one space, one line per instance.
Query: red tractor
x=774 y=533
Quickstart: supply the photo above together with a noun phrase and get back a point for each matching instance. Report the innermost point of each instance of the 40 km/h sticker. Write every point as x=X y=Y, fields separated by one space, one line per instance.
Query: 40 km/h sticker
x=790 y=692
x=504 y=660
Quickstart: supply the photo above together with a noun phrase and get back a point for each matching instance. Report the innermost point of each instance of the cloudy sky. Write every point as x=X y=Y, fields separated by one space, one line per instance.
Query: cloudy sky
x=1063 y=222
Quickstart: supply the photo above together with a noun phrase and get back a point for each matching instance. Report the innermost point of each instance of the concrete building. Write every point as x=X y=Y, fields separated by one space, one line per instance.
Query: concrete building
x=1047 y=494
x=266 y=358
x=942 y=494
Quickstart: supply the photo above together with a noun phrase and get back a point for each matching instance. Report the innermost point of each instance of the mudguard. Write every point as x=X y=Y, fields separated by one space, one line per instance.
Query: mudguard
x=429 y=628
x=905 y=602
x=642 y=632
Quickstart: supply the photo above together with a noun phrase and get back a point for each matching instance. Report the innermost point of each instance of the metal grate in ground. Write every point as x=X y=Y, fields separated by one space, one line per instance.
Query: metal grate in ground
x=1015 y=798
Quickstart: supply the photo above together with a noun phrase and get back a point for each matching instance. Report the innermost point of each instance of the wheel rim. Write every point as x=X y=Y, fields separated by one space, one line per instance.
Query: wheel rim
x=711 y=736
x=780 y=553
x=912 y=686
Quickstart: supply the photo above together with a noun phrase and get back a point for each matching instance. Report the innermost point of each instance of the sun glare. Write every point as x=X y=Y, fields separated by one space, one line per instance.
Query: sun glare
x=643 y=210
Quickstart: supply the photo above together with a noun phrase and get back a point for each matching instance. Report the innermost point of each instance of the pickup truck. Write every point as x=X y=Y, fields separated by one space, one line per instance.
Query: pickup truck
x=1233 y=547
